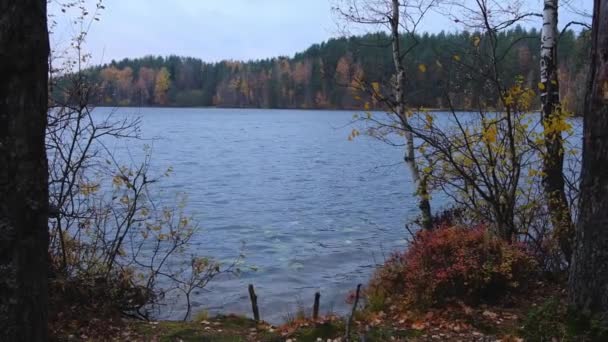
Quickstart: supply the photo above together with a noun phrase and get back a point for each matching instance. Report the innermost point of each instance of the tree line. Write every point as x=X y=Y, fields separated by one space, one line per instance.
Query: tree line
x=325 y=75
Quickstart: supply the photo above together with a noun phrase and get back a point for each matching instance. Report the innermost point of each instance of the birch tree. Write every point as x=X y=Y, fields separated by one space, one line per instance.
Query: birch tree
x=478 y=158
x=24 y=49
x=397 y=16
x=399 y=90
x=552 y=115
x=588 y=281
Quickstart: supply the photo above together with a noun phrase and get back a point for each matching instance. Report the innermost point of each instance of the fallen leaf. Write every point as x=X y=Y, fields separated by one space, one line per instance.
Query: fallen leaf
x=489 y=314
x=418 y=326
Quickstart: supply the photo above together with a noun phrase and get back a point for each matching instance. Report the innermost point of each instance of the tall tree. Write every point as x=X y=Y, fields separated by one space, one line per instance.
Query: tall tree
x=163 y=82
x=588 y=283
x=401 y=18
x=552 y=113
x=24 y=49
x=401 y=110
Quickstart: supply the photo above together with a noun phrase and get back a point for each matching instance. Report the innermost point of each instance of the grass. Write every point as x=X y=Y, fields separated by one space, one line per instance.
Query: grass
x=221 y=328
x=539 y=315
x=238 y=329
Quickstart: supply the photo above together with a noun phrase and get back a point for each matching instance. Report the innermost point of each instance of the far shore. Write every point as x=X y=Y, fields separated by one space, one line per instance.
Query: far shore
x=376 y=110
x=460 y=110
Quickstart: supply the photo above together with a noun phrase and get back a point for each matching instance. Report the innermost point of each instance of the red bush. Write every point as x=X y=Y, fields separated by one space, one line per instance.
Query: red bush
x=453 y=263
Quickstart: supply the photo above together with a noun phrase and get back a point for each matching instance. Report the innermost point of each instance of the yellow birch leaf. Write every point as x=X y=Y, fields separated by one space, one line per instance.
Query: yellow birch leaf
x=376 y=87
x=476 y=41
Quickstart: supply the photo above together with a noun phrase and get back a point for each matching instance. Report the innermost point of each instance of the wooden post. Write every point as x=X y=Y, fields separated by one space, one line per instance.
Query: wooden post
x=352 y=315
x=315 y=308
x=254 y=303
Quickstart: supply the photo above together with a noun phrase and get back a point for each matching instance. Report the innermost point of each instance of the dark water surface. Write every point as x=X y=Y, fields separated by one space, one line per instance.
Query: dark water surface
x=310 y=210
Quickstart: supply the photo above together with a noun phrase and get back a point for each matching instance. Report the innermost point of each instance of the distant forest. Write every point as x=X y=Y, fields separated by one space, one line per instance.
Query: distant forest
x=325 y=76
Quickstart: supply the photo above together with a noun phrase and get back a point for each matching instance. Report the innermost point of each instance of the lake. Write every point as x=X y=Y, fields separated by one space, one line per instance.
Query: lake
x=310 y=210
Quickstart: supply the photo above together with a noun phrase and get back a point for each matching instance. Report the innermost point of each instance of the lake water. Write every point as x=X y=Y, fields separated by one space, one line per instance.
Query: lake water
x=310 y=210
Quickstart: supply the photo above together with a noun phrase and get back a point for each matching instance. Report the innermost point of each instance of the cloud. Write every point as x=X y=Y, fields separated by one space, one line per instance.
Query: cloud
x=215 y=29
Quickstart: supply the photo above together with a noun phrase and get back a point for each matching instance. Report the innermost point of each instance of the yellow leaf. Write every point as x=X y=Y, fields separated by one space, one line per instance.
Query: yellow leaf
x=87 y=189
x=476 y=41
x=490 y=134
x=117 y=181
x=541 y=86
x=457 y=58
x=508 y=100
x=376 y=87
x=422 y=68
x=429 y=120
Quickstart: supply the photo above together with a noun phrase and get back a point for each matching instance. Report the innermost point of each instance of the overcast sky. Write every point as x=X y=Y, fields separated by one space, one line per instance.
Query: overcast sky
x=220 y=29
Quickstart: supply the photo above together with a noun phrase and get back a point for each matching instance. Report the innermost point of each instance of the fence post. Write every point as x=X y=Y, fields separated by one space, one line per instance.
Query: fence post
x=315 y=308
x=352 y=315
x=254 y=303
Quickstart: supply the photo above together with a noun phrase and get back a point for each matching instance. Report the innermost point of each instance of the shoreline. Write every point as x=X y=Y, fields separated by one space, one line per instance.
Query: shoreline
x=436 y=110
x=282 y=108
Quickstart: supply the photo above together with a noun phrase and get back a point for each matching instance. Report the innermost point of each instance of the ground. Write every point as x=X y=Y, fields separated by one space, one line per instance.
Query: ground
x=533 y=316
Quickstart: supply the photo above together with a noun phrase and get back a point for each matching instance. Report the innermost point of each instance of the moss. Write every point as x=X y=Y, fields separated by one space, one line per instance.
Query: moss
x=485 y=327
x=544 y=320
x=221 y=328
x=385 y=334
x=324 y=331
x=235 y=322
x=336 y=329
x=553 y=320
x=201 y=316
x=168 y=331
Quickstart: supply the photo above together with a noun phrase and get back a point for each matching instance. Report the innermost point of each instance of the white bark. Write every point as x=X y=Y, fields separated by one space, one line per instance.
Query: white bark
x=553 y=179
x=548 y=50
x=399 y=90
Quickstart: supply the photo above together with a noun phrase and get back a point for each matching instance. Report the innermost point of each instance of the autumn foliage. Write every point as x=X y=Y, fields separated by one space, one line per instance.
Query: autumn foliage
x=452 y=263
x=328 y=75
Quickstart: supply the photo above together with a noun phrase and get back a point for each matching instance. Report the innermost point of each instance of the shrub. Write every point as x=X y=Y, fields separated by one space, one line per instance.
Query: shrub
x=546 y=319
x=453 y=263
x=102 y=297
x=553 y=321
x=387 y=282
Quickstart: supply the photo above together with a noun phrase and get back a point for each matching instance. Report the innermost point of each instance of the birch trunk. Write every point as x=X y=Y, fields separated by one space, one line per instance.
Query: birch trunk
x=399 y=90
x=553 y=162
x=24 y=51
x=588 y=283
